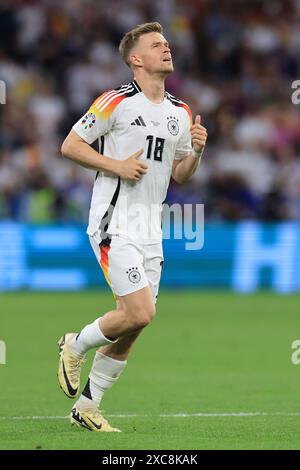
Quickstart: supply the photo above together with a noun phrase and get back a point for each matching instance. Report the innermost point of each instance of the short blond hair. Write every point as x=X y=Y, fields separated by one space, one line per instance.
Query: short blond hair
x=131 y=38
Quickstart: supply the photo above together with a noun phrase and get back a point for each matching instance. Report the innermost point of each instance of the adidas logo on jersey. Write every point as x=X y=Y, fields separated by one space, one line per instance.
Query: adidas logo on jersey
x=138 y=122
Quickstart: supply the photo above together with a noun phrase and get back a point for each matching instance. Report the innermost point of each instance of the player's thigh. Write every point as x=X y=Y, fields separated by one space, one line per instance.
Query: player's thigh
x=129 y=338
x=139 y=304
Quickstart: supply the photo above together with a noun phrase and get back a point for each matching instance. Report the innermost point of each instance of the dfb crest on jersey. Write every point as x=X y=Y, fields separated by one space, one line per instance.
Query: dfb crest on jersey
x=88 y=121
x=133 y=275
x=173 y=126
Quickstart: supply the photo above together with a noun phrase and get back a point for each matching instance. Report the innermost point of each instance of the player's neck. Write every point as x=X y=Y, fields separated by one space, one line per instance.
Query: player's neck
x=153 y=88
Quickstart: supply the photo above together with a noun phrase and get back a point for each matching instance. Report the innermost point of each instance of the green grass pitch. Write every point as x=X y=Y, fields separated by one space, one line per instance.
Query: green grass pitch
x=207 y=353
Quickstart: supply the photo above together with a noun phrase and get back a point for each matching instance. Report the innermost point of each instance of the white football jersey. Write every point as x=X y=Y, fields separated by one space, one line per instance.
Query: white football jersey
x=125 y=120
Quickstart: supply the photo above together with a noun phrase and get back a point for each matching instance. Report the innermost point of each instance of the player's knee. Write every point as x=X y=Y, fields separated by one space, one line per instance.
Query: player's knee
x=142 y=317
x=141 y=321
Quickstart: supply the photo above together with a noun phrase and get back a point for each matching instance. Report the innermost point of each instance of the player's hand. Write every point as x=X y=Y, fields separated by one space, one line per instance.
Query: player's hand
x=132 y=169
x=199 y=135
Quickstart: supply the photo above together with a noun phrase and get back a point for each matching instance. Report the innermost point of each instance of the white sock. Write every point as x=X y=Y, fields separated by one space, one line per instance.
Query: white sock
x=90 y=337
x=104 y=373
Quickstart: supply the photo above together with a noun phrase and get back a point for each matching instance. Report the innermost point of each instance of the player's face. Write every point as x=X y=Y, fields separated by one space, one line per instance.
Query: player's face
x=153 y=53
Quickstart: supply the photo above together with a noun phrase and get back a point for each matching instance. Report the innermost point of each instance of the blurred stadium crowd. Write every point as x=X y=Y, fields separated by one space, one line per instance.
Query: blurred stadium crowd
x=235 y=62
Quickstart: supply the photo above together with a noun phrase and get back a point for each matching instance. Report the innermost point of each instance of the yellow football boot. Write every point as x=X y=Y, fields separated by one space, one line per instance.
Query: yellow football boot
x=69 y=367
x=91 y=419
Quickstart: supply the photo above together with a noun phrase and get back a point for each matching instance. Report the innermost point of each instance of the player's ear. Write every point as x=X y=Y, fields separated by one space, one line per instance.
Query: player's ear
x=135 y=59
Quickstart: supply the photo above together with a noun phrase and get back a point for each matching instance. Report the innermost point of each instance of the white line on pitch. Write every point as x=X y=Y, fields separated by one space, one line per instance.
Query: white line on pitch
x=175 y=415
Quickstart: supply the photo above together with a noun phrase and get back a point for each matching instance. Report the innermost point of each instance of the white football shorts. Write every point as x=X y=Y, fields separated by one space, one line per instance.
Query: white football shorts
x=127 y=266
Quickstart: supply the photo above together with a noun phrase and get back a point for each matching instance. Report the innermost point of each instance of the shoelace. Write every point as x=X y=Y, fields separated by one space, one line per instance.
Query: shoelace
x=75 y=366
x=97 y=414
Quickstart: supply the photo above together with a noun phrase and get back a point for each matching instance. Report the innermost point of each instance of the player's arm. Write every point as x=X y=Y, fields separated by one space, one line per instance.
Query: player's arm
x=76 y=149
x=185 y=168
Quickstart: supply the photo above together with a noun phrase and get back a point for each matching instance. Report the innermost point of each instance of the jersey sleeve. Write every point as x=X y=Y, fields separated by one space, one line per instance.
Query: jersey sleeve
x=184 y=145
x=99 y=119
